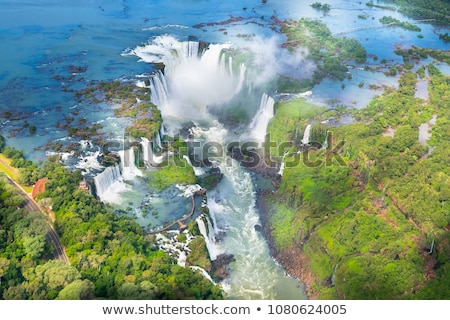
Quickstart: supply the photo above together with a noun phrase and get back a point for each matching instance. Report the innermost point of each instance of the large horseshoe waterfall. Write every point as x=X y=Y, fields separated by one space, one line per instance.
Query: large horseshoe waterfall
x=196 y=80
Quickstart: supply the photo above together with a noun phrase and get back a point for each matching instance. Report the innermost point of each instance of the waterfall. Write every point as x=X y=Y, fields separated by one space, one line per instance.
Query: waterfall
x=162 y=130
x=147 y=153
x=128 y=164
x=204 y=273
x=110 y=183
x=258 y=126
x=325 y=142
x=189 y=50
x=197 y=170
x=283 y=164
x=179 y=250
x=209 y=235
x=306 y=135
x=158 y=90
x=149 y=158
x=212 y=57
x=240 y=84
x=192 y=81
x=157 y=141
x=106 y=179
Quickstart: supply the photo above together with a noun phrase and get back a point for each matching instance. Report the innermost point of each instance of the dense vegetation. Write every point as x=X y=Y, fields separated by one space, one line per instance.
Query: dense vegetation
x=321 y=6
x=330 y=53
x=403 y=24
x=376 y=227
x=444 y=37
x=110 y=256
x=424 y=9
x=371 y=4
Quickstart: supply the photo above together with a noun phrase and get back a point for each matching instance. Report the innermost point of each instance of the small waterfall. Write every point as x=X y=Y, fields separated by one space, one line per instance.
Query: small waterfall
x=106 y=179
x=242 y=70
x=204 y=273
x=158 y=90
x=149 y=158
x=258 y=126
x=128 y=164
x=283 y=164
x=147 y=153
x=157 y=141
x=306 y=135
x=213 y=208
x=162 y=130
x=240 y=84
x=209 y=235
x=197 y=170
x=325 y=142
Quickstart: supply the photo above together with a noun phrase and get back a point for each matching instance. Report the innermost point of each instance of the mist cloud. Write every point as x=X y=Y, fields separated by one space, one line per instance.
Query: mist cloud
x=272 y=60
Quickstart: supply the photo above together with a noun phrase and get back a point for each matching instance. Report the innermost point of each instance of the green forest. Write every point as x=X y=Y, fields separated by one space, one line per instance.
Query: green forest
x=371 y=211
x=110 y=256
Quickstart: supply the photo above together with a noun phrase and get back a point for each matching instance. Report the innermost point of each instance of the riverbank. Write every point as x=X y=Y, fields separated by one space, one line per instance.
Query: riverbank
x=292 y=259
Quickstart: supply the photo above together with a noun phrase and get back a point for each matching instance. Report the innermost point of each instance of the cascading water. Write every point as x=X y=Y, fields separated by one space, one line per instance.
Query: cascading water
x=253 y=274
x=191 y=84
x=283 y=164
x=158 y=89
x=208 y=233
x=147 y=151
x=88 y=162
x=306 y=135
x=148 y=156
x=157 y=141
x=106 y=179
x=204 y=273
x=197 y=170
x=258 y=126
x=325 y=141
x=114 y=180
x=128 y=165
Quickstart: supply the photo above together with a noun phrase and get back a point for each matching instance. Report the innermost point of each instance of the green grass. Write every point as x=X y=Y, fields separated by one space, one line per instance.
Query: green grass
x=12 y=172
x=181 y=173
x=290 y=120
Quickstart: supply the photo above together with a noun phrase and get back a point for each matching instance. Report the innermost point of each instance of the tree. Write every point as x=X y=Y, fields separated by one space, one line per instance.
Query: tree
x=32 y=129
x=4 y=266
x=77 y=290
x=34 y=246
x=48 y=279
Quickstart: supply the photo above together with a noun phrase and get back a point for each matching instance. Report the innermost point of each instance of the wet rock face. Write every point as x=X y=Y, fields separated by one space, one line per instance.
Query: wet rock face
x=220 y=266
x=257 y=164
